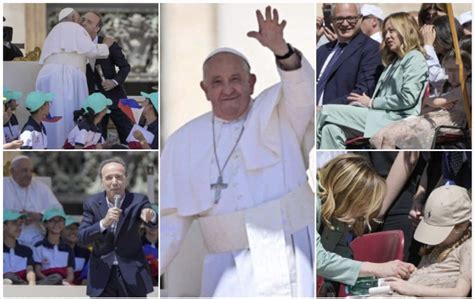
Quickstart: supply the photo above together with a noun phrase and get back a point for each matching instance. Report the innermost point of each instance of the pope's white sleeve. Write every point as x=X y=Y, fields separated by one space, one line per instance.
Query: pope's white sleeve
x=173 y=229
x=99 y=51
x=297 y=103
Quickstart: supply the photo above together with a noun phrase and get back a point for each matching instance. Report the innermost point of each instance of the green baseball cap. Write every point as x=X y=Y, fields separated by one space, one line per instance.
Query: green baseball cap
x=153 y=98
x=53 y=212
x=70 y=221
x=9 y=95
x=37 y=99
x=10 y=215
x=97 y=102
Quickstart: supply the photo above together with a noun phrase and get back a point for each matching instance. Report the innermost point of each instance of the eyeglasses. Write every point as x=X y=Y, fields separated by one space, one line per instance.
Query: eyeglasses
x=351 y=20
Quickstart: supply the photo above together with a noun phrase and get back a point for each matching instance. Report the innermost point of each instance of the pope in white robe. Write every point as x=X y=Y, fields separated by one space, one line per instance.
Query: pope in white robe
x=64 y=58
x=259 y=231
x=26 y=194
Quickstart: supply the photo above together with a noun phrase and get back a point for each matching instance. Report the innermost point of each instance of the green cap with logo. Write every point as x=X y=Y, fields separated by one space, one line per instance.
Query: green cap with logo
x=53 y=212
x=9 y=95
x=97 y=102
x=10 y=215
x=37 y=99
x=153 y=98
x=446 y=206
x=70 y=220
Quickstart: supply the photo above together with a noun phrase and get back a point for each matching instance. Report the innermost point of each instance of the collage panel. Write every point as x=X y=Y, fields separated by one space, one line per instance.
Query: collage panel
x=237 y=213
x=394 y=223
x=394 y=76
x=81 y=223
x=81 y=76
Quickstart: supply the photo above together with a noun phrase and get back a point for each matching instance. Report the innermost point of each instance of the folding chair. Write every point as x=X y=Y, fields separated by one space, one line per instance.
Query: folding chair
x=455 y=138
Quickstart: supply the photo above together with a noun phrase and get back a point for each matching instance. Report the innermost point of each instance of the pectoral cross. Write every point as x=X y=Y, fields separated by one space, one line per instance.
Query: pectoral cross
x=219 y=185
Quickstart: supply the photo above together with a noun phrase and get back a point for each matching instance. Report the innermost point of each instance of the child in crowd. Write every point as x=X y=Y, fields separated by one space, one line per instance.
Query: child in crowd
x=417 y=132
x=87 y=134
x=445 y=268
x=11 y=129
x=33 y=133
x=54 y=259
x=69 y=236
x=150 y=247
x=17 y=259
x=149 y=122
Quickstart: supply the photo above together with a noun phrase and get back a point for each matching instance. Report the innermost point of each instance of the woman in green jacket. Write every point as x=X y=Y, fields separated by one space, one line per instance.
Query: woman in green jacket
x=351 y=193
x=398 y=94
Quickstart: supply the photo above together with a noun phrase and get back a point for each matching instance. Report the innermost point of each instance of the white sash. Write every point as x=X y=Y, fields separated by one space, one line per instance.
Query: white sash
x=265 y=230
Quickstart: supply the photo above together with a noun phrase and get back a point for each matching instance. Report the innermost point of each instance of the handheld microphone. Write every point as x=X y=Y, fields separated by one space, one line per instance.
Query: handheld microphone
x=116 y=205
x=99 y=70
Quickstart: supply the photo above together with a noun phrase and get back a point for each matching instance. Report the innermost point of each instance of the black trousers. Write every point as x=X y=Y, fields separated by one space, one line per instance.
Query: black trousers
x=116 y=285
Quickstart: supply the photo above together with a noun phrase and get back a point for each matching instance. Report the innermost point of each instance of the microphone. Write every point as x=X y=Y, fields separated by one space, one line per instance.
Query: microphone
x=99 y=70
x=116 y=205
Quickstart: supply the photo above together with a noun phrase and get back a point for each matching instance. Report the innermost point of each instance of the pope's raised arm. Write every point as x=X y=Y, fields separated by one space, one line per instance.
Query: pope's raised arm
x=270 y=35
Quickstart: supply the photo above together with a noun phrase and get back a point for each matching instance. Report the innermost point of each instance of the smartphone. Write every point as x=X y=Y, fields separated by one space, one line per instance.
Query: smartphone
x=328 y=18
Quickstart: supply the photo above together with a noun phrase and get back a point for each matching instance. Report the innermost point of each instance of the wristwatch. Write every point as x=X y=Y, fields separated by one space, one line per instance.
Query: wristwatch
x=290 y=52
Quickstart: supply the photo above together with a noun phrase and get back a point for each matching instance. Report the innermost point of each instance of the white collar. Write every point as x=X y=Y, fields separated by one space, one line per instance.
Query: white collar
x=96 y=39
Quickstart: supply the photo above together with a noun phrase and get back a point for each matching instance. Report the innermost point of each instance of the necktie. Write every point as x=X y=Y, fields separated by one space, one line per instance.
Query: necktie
x=321 y=84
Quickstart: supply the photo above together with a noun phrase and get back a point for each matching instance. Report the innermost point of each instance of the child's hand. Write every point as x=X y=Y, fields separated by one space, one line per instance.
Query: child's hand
x=449 y=105
x=139 y=136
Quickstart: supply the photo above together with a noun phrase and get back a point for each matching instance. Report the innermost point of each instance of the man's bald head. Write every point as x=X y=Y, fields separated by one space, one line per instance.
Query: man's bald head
x=22 y=170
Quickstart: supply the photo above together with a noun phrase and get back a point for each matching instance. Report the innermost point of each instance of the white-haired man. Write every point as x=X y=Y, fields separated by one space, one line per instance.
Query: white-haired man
x=64 y=58
x=239 y=171
x=25 y=194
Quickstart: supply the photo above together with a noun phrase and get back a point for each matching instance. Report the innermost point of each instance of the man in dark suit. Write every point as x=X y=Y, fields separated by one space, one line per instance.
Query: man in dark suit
x=102 y=77
x=111 y=222
x=352 y=63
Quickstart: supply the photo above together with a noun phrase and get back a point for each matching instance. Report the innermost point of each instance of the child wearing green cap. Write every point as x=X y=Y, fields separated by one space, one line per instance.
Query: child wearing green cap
x=11 y=129
x=54 y=259
x=33 y=133
x=87 y=134
x=149 y=121
x=17 y=259
x=69 y=236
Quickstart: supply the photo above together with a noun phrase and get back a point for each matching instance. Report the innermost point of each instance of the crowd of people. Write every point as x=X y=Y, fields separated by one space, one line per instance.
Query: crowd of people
x=424 y=195
x=42 y=244
x=391 y=79
x=78 y=91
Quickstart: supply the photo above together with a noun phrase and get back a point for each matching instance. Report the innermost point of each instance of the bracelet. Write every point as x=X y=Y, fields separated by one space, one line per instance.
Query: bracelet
x=290 y=52
x=378 y=221
x=371 y=103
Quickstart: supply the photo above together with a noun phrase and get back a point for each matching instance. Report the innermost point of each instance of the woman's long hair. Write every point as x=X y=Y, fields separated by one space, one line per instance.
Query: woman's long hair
x=409 y=34
x=351 y=192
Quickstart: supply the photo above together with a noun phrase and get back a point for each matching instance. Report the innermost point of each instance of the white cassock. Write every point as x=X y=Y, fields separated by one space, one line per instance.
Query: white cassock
x=37 y=197
x=64 y=58
x=269 y=258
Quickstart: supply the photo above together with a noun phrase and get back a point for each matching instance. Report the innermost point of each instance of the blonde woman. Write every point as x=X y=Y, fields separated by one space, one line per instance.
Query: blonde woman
x=398 y=93
x=350 y=194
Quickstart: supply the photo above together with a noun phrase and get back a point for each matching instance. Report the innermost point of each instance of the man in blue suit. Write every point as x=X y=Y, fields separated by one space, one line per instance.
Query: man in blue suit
x=352 y=63
x=111 y=222
x=108 y=81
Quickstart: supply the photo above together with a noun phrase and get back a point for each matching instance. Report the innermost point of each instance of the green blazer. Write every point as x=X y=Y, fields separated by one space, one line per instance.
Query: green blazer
x=330 y=265
x=399 y=92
